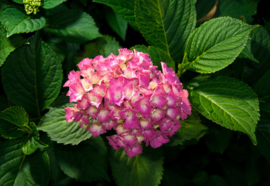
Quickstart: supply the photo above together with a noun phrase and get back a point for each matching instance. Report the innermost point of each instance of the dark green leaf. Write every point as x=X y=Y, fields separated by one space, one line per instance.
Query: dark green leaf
x=262 y=87
x=18 y=1
x=216 y=44
x=246 y=52
x=124 y=8
x=61 y=131
x=157 y=55
x=32 y=142
x=73 y=26
x=265 y=106
x=166 y=24
x=216 y=180
x=174 y=175
x=32 y=76
x=8 y=45
x=203 y=7
x=4 y=103
x=11 y=120
x=190 y=128
x=59 y=47
x=117 y=23
x=15 y=20
x=47 y=4
x=240 y=9
x=85 y=162
x=228 y=102
x=17 y=169
x=142 y=170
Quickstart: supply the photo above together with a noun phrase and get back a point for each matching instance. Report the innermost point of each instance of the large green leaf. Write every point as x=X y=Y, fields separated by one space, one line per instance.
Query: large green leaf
x=190 y=128
x=73 y=26
x=61 y=131
x=166 y=24
x=15 y=20
x=47 y=4
x=11 y=120
x=85 y=162
x=216 y=44
x=142 y=170
x=263 y=135
x=32 y=76
x=157 y=55
x=240 y=9
x=8 y=45
x=228 y=102
x=17 y=169
x=124 y=8
x=117 y=23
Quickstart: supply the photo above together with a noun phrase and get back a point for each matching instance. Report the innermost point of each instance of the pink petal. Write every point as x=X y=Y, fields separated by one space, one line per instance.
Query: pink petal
x=94 y=99
x=92 y=111
x=133 y=151
x=130 y=140
x=172 y=112
x=83 y=104
x=157 y=114
x=158 y=100
x=96 y=129
x=110 y=124
x=158 y=139
x=86 y=83
x=99 y=90
x=116 y=95
x=144 y=79
x=103 y=115
x=121 y=130
x=112 y=141
x=128 y=91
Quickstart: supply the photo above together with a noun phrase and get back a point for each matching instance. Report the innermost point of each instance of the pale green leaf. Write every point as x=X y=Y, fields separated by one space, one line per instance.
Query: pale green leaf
x=32 y=76
x=228 y=102
x=15 y=20
x=8 y=45
x=117 y=23
x=141 y=170
x=17 y=169
x=73 y=26
x=124 y=8
x=47 y=4
x=61 y=131
x=216 y=44
x=166 y=24
x=85 y=162
x=11 y=120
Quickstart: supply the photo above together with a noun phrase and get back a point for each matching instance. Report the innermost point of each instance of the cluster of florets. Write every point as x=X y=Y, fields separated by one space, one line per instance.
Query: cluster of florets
x=130 y=95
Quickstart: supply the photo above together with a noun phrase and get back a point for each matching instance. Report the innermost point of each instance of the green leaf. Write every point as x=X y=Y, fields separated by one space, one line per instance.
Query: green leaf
x=11 y=120
x=262 y=87
x=166 y=24
x=8 y=45
x=142 y=170
x=174 y=175
x=228 y=102
x=17 y=169
x=203 y=7
x=58 y=46
x=190 y=128
x=117 y=23
x=216 y=44
x=4 y=103
x=157 y=55
x=260 y=47
x=215 y=180
x=47 y=4
x=31 y=142
x=240 y=9
x=103 y=46
x=73 y=26
x=32 y=76
x=15 y=20
x=263 y=135
x=122 y=7
x=265 y=106
x=85 y=162
x=246 y=52
x=18 y=1
x=218 y=140
x=61 y=131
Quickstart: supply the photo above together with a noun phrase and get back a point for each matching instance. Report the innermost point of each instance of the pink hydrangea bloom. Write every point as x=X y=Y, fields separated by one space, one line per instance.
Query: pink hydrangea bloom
x=130 y=95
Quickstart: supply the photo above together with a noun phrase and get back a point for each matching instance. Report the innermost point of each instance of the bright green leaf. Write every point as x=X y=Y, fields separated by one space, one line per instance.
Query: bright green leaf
x=142 y=170
x=17 y=169
x=203 y=7
x=190 y=128
x=32 y=76
x=85 y=162
x=246 y=52
x=166 y=24
x=157 y=55
x=61 y=131
x=124 y=8
x=15 y=20
x=117 y=23
x=11 y=120
x=228 y=102
x=216 y=44
x=47 y=4
x=240 y=9
x=8 y=45
x=32 y=142
x=73 y=26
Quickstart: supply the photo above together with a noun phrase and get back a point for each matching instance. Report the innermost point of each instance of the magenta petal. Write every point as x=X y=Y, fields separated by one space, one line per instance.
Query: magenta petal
x=172 y=112
x=128 y=91
x=159 y=139
x=116 y=95
x=157 y=115
x=132 y=123
x=158 y=100
x=96 y=129
x=92 y=111
x=121 y=130
x=112 y=141
x=133 y=151
x=109 y=124
x=130 y=140
x=103 y=115
x=94 y=99
x=144 y=79
x=174 y=128
x=83 y=104
x=143 y=105
x=148 y=133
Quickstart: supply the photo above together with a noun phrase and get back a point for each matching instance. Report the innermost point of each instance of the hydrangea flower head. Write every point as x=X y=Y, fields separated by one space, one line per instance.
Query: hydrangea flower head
x=128 y=94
